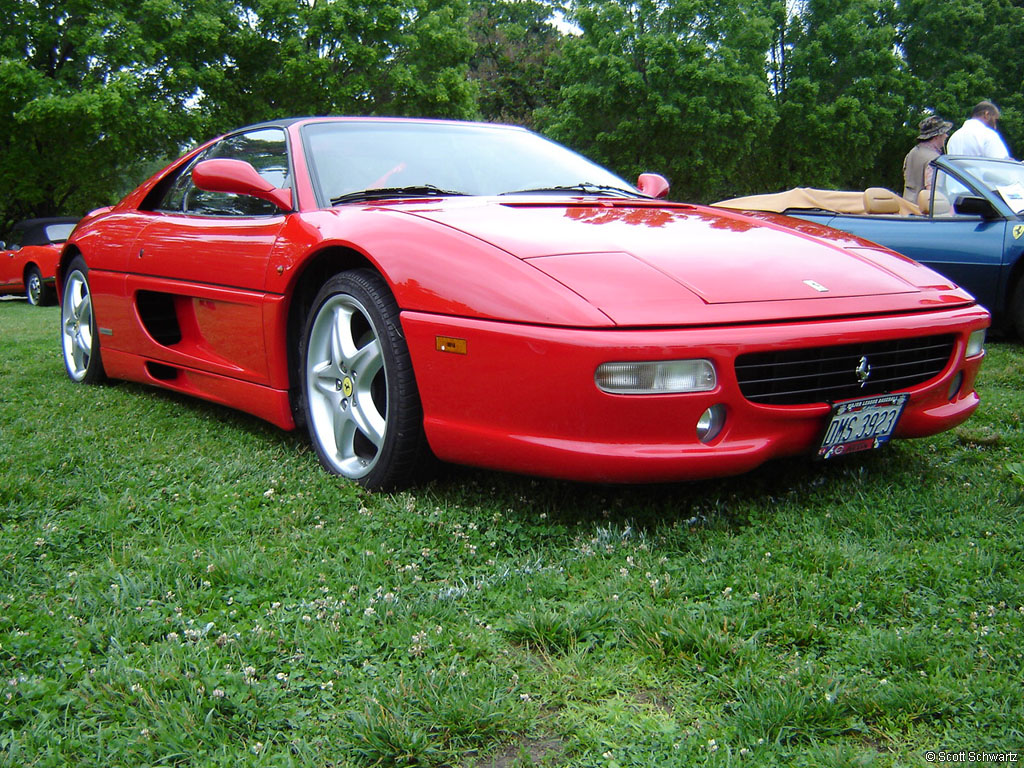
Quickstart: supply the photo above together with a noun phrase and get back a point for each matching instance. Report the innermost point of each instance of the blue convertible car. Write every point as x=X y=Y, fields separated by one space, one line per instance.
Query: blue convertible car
x=969 y=226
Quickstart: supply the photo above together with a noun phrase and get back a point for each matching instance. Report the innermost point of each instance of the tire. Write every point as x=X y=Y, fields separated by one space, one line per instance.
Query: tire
x=79 y=341
x=359 y=394
x=38 y=293
x=1017 y=309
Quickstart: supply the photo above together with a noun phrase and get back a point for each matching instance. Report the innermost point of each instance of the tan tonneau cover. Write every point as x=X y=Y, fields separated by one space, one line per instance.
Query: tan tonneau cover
x=806 y=198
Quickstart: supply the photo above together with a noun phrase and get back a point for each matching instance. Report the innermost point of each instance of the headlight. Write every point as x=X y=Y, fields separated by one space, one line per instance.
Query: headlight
x=656 y=377
x=975 y=343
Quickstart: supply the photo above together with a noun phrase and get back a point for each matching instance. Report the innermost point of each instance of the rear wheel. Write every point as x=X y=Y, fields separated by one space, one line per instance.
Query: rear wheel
x=361 y=403
x=79 y=342
x=36 y=291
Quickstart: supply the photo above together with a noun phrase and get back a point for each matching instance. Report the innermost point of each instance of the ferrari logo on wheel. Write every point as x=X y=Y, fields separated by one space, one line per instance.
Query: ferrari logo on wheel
x=1018 y=230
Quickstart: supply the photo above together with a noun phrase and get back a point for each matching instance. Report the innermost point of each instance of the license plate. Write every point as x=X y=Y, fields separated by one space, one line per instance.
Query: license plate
x=860 y=425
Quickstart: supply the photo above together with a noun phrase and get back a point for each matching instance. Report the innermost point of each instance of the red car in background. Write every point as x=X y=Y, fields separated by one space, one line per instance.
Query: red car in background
x=411 y=287
x=28 y=259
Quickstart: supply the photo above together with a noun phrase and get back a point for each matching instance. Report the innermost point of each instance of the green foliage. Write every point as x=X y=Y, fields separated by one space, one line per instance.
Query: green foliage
x=514 y=42
x=675 y=87
x=344 y=57
x=961 y=53
x=725 y=98
x=87 y=96
x=843 y=99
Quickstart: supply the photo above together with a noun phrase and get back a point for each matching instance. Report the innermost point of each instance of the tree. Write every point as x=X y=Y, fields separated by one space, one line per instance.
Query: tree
x=675 y=86
x=90 y=95
x=843 y=97
x=362 y=57
x=94 y=98
x=514 y=44
x=964 y=52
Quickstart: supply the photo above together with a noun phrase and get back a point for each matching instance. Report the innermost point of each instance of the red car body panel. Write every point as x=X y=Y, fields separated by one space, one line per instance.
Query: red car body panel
x=541 y=291
x=546 y=417
x=14 y=263
x=36 y=246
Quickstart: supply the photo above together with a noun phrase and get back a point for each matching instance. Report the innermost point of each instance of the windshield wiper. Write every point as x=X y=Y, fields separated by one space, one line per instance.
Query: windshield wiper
x=383 y=193
x=585 y=187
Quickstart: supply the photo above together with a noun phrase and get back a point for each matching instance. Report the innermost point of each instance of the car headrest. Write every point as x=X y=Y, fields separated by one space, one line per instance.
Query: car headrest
x=924 y=201
x=880 y=200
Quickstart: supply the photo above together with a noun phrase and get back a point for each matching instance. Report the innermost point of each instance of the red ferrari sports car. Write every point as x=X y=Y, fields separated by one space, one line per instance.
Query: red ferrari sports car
x=28 y=259
x=413 y=287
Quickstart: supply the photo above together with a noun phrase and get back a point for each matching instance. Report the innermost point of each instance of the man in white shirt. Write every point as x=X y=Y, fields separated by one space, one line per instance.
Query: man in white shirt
x=977 y=137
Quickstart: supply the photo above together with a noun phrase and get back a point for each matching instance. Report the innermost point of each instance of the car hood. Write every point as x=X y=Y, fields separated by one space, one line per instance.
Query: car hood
x=646 y=263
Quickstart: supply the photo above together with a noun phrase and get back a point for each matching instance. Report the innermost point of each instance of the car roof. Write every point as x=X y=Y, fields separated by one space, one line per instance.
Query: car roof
x=288 y=121
x=33 y=231
x=43 y=222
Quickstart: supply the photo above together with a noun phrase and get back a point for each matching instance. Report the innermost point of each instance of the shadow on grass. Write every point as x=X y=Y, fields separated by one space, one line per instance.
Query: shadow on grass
x=722 y=503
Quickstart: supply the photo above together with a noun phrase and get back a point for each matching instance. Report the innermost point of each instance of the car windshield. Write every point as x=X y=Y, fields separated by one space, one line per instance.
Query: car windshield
x=1001 y=178
x=383 y=159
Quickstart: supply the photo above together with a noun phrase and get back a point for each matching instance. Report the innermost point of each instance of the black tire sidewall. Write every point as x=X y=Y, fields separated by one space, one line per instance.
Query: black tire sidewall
x=94 y=372
x=33 y=273
x=1017 y=309
x=400 y=454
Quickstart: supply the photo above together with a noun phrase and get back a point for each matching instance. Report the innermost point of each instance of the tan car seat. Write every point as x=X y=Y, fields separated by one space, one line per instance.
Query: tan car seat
x=879 y=200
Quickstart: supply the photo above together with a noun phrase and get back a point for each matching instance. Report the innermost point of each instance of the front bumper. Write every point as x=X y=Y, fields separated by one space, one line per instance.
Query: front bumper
x=523 y=398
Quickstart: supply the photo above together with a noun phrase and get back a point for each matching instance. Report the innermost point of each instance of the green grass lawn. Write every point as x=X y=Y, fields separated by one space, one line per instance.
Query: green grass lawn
x=181 y=584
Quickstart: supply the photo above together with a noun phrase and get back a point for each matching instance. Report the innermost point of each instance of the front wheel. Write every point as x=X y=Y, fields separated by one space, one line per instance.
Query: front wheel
x=79 y=341
x=361 y=403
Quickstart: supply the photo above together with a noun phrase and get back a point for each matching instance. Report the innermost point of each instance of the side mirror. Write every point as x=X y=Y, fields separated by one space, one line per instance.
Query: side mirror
x=653 y=185
x=969 y=205
x=237 y=177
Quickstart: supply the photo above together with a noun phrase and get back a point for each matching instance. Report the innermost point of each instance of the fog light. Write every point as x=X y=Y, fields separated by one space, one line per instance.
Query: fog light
x=710 y=423
x=656 y=377
x=954 y=387
x=975 y=343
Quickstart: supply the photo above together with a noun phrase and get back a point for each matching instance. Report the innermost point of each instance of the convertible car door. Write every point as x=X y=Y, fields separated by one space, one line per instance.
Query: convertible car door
x=967 y=249
x=198 y=271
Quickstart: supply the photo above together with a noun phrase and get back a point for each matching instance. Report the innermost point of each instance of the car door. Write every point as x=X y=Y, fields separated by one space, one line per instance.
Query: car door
x=10 y=264
x=197 y=272
x=967 y=249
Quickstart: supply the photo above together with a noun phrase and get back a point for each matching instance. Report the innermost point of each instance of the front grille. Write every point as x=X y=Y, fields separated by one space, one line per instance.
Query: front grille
x=823 y=374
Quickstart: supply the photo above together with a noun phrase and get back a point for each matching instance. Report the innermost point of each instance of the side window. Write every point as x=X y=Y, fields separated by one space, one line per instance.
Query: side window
x=264 y=149
x=946 y=190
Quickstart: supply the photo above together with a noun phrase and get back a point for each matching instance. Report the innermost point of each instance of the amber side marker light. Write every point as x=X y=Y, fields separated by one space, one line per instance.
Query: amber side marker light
x=449 y=344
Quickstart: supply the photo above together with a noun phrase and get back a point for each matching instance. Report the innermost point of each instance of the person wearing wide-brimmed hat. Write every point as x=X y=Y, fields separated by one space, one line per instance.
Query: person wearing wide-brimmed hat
x=917 y=170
